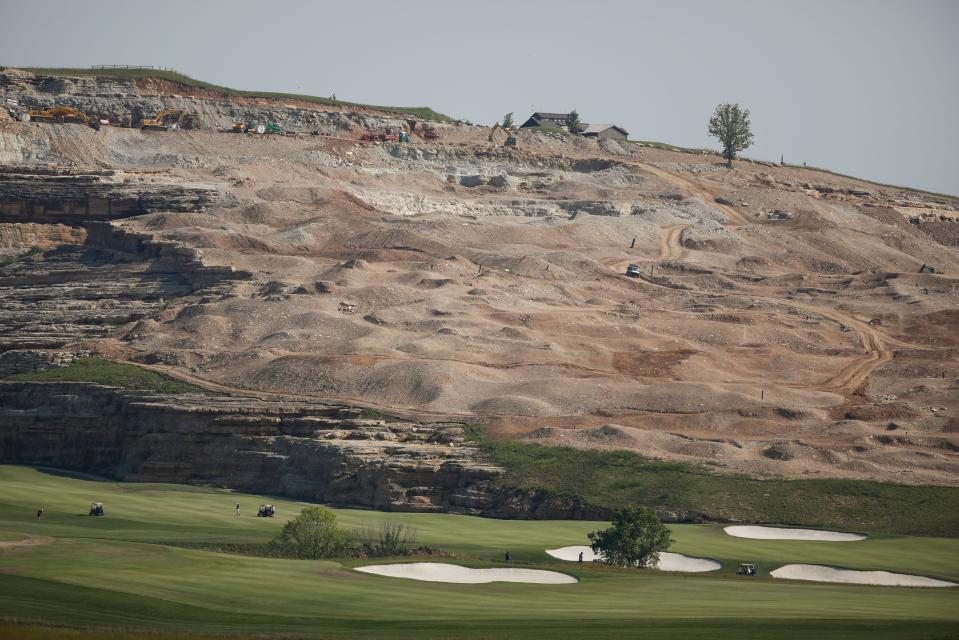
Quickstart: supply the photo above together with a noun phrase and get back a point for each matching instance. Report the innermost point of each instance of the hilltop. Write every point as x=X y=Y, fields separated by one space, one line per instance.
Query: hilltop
x=785 y=322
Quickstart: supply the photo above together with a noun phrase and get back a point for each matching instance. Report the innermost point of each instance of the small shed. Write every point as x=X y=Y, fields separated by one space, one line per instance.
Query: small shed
x=605 y=131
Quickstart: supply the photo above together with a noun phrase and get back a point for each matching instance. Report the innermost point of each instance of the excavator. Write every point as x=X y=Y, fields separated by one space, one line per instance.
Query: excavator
x=510 y=138
x=61 y=115
x=174 y=117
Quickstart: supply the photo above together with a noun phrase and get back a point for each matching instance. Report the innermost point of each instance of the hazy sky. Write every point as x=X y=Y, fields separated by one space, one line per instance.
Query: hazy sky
x=869 y=88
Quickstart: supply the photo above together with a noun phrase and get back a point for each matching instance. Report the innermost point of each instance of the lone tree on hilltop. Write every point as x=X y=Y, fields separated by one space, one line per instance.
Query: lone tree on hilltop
x=635 y=539
x=508 y=120
x=311 y=535
x=730 y=124
x=573 y=123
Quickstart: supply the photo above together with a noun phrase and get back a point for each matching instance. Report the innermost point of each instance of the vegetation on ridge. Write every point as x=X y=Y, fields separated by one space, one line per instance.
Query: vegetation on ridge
x=610 y=479
x=113 y=374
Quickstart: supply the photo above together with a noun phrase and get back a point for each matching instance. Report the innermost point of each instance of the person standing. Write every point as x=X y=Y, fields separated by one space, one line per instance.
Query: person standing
x=39 y=513
x=509 y=558
x=237 y=509
x=581 y=557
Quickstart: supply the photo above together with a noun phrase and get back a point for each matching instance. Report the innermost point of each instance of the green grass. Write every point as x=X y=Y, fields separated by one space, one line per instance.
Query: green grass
x=114 y=374
x=424 y=113
x=613 y=478
x=119 y=572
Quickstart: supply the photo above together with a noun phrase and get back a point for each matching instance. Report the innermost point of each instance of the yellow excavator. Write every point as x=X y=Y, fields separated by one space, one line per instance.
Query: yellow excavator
x=58 y=114
x=166 y=120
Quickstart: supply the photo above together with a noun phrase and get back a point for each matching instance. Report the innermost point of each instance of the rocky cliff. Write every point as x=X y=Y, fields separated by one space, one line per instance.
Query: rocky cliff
x=314 y=451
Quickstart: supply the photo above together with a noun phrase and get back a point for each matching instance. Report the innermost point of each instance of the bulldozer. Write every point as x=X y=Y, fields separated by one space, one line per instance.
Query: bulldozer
x=59 y=115
x=166 y=120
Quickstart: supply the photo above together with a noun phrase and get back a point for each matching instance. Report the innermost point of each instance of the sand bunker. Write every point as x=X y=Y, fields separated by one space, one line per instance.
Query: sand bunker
x=440 y=572
x=820 y=573
x=779 y=533
x=667 y=561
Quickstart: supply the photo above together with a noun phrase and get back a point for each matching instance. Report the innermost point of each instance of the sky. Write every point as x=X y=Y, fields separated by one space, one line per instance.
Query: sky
x=863 y=87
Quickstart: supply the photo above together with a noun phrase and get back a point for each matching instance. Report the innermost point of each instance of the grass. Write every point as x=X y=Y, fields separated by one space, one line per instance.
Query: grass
x=613 y=478
x=424 y=113
x=114 y=374
x=119 y=572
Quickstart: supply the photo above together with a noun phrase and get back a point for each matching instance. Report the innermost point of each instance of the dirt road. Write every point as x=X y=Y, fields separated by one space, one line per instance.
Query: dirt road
x=734 y=217
x=671 y=242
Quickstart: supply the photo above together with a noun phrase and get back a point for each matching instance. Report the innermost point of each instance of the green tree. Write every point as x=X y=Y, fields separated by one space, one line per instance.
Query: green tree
x=508 y=120
x=730 y=125
x=635 y=539
x=311 y=535
x=573 y=123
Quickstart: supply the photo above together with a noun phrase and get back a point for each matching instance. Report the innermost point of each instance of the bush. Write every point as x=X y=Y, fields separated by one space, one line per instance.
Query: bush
x=312 y=535
x=390 y=538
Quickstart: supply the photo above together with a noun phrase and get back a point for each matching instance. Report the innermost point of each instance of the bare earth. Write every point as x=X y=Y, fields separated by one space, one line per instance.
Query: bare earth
x=800 y=347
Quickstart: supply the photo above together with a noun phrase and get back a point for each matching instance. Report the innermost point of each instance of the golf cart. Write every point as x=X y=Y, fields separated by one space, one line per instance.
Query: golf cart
x=632 y=271
x=266 y=511
x=96 y=509
x=746 y=570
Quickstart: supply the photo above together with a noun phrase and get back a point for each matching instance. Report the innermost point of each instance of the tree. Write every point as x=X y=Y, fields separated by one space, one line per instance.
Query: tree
x=508 y=120
x=313 y=534
x=572 y=122
x=635 y=539
x=730 y=124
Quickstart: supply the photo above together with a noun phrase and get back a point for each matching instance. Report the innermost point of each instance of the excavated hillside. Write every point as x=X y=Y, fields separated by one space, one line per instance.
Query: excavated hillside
x=782 y=323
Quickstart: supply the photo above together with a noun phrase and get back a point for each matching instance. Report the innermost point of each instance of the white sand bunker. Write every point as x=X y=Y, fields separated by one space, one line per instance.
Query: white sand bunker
x=780 y=533
x=667 y=561
x=440 y=572
x=820 y=573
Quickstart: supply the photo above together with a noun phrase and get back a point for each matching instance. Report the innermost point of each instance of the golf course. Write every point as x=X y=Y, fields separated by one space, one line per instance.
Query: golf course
x=172 y=561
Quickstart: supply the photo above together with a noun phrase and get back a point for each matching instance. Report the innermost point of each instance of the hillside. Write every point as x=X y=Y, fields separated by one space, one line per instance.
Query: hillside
x=781 y=326
x=183 y=84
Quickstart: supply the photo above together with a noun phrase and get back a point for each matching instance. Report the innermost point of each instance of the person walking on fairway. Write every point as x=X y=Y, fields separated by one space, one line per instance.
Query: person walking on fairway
x=237 y=509
x=581 y=557
x=509 y=558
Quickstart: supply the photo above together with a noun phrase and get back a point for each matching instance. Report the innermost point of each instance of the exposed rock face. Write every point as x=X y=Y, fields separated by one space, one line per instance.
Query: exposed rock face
x=313 y=451
x=17 y=238
x=129 y=101
x=64 y=196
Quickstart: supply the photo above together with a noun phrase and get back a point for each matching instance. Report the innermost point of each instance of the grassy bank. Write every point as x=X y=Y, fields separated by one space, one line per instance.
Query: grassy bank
x=424 y=113
x=613 y=478
x=114 y=374
x=119 y=572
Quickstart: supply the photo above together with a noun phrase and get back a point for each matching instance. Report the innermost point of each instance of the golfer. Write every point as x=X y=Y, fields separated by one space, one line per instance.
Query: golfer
x=237 y=509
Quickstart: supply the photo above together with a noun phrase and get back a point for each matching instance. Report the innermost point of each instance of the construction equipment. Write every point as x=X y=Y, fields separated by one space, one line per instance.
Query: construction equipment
x=239 y=127
x=925 y=268
x=166 y=120
x=60 y=115
x=632 y=271
x=96 y=509
x=746 y=570
x=266 y=511
x=508 y=141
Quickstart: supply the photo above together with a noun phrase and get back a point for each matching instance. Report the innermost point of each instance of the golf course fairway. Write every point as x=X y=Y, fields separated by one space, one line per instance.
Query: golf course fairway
x=165 y=559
